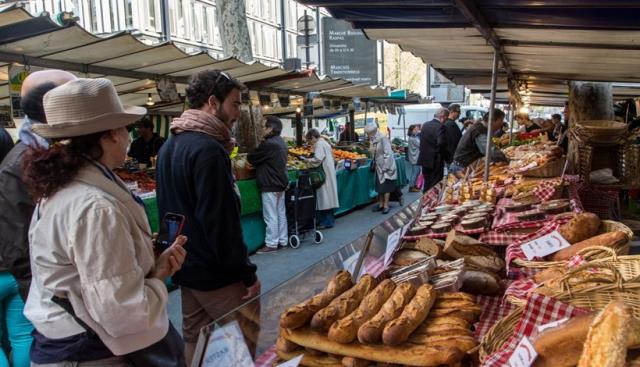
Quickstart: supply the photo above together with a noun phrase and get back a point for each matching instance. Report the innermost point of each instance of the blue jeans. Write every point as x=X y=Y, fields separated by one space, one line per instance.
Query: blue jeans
x=18 y=327
x=326 y=218
x=413 y=175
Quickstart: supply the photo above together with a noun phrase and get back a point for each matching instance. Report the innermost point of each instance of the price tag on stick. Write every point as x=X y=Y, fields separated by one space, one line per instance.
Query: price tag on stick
x=524 y=355
x=545 y=245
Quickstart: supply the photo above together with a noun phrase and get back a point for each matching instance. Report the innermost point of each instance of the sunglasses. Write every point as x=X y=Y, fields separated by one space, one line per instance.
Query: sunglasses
x=221 y=75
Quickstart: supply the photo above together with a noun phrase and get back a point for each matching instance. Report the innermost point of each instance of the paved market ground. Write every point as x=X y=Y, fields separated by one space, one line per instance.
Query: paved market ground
x=274 y=269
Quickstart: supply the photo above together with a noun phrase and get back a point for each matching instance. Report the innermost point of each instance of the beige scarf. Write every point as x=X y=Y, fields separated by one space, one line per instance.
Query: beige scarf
x=200 y=121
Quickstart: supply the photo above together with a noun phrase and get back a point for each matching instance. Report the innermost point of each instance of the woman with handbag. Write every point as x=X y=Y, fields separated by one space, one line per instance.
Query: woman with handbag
x=327 y=194
x=385 y=169
x=97 y=297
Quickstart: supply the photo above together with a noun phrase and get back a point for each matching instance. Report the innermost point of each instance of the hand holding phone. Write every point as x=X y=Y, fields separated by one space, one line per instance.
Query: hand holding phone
x=171 y=259
x=170 y=228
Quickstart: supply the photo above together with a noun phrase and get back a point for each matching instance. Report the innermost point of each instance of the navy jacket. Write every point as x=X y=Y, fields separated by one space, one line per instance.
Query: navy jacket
x=194 y=179
x=270 y=160
x=433 y=145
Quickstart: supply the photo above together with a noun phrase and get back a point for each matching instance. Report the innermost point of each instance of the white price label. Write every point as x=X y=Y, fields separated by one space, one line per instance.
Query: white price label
x=550 y=325
x=523 y=355
x=545 y=245
x=392 y=243
x=405 y=228
x=294 y=362
x=226 y=347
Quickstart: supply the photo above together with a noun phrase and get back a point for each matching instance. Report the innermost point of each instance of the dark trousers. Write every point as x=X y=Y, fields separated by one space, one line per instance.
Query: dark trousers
x=432 y=176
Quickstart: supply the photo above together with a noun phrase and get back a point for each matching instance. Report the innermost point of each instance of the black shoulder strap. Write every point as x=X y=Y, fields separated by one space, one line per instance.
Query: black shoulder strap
x=66 y=305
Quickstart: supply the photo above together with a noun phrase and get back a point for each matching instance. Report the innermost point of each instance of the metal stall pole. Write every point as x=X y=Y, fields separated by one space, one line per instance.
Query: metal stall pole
x=298 y=129
x=366 y=109
x=492 y=105
x=352 y=122
x=512 y=116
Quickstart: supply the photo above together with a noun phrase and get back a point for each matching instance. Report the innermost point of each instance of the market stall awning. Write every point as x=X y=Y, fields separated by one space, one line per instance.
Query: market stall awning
x=136 y=67
x=545 y=42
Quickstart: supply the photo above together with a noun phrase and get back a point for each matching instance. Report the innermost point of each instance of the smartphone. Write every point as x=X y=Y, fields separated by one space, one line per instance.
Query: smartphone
x=170 y=229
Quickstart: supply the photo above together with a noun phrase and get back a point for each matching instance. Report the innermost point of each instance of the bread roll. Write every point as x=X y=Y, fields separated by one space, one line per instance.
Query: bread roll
x=609 y=239
x=407 y=354
x=371 y=331
x=606 y=344
x=481 y=282
x=397 y=331
x=300 y=314
x=406 y=257
x=343 y=305
x=583 y=226
x=345 y=330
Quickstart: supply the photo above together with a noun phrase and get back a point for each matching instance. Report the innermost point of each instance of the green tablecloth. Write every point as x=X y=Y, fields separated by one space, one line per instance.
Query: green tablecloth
x=355 y=188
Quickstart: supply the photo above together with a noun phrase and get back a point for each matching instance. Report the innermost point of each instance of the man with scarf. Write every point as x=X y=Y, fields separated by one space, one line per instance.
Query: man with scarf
x=270 y=160
x=194 y=179
x=17 y=209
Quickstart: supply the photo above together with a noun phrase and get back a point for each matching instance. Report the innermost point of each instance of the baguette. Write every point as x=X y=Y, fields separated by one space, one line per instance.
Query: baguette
x=454 y=322
x=452 y=304
x=549 y=274
x=309 y=360
x=299 y=315
x=345 y=330
x=371 y=331
x=343 y=305
x=465 y=342
x=446 y=296
x=606 y=344
x=286 y=346
x=397 y=331
x=407 y=354
x=441 y=330
x=609 y=239
x=356 y=362
x=581 y=227
x=469 y=314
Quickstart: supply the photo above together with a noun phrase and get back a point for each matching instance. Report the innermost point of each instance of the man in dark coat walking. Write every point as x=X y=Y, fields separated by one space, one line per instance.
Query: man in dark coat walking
x=452 y=132
x=433 y=149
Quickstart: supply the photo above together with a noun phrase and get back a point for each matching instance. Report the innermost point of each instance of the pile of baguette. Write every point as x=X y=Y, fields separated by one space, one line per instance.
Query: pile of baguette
x=610 y=338
x=379 y=324
x=484 y=268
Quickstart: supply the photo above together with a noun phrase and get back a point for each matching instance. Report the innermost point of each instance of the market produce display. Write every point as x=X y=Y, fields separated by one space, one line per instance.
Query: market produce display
x=405 y=323
x=142 y=179
x=529 y=156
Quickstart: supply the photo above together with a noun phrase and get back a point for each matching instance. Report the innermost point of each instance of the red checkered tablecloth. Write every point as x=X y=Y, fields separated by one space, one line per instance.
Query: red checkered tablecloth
x=493 y=309
x=539 y=310
x=267 y=358
x=520 y=288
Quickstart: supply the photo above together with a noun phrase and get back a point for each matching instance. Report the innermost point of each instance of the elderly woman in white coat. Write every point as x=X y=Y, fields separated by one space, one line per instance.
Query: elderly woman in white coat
x=327 y=194
x=97 y=293
x=386 y=171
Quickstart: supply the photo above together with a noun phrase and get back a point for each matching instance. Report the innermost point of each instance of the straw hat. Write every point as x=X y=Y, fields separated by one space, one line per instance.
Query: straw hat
x=85 y=106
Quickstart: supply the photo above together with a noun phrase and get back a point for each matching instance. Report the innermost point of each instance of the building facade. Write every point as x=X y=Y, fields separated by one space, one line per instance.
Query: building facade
x=193 y=24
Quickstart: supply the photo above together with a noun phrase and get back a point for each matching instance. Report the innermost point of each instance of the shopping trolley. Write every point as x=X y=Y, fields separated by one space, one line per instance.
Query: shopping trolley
x=300 y=201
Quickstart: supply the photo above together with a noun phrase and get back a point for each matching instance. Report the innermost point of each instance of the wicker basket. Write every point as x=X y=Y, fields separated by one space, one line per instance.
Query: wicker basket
x=605 y=226
x=592 y=298
x=600 y=132
x=551 y=169
x=629 y=160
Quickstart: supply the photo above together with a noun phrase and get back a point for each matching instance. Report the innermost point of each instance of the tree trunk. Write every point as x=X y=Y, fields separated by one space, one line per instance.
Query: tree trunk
x=236 y=42
x=587 y=101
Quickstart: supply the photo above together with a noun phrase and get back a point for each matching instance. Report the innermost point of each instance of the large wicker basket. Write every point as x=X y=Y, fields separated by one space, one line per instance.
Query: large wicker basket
x=605 y=226
x=600 y=132
x=551 y=169
x=592 y=298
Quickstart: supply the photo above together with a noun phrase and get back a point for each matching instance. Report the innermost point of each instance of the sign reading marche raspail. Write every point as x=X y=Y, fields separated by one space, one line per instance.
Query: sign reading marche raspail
x=348 y=54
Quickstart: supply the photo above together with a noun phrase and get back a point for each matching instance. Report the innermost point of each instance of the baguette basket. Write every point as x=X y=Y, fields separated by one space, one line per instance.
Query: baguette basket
x=593 y=296
x=605 y=227
x=551 y=169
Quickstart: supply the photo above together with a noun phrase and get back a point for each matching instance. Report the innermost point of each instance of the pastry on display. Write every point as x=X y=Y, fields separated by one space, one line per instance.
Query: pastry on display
x=441 y=227
x=581 y=227
x=556 y=206
x=473 y=223
x=531 y=216
x=517 y=207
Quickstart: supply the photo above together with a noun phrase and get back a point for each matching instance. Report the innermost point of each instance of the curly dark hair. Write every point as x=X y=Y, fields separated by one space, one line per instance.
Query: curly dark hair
x=210 y=83
x=46 y=171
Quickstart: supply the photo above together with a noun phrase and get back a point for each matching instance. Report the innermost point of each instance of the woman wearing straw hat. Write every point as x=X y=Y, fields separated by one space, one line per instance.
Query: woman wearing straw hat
x=97 y=297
